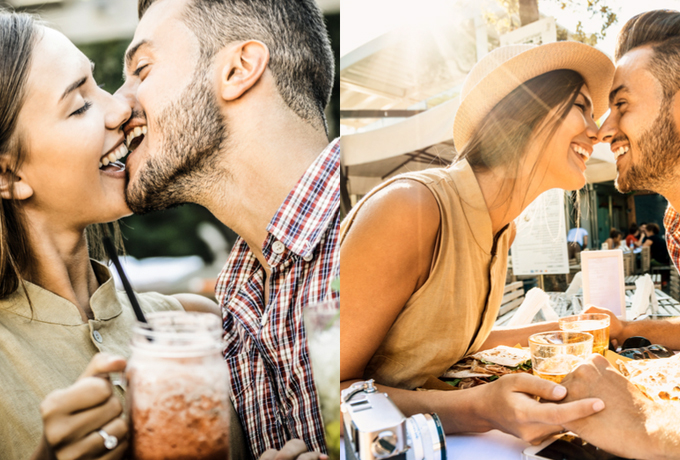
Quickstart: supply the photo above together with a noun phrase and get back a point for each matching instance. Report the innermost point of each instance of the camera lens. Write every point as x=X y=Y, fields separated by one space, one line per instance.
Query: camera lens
x=426 y=437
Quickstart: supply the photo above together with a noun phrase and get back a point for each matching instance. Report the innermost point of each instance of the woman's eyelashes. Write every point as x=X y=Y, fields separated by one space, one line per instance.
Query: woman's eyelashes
x=83 y=109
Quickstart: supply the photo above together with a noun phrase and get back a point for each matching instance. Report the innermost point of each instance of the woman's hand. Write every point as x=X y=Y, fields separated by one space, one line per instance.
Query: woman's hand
x=72 y=417
x=510 y=406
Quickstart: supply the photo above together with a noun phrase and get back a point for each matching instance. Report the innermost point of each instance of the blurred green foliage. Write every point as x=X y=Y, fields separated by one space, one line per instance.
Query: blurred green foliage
x=173 y=233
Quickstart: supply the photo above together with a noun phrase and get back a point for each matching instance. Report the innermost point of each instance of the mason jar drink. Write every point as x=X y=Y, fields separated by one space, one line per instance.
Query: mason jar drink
x=596 y=324
x=556 y=354
x=178 y=389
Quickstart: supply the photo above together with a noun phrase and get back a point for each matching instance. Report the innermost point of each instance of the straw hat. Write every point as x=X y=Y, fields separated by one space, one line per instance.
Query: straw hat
x=501 y=71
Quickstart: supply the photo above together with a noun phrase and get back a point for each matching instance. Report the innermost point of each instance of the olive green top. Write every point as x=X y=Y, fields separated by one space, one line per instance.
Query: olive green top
x=452 y=314
x=49 y=347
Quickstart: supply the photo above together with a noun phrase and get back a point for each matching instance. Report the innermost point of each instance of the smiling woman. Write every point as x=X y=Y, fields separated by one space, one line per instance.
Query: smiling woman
x=424 y=255
x=61 y=139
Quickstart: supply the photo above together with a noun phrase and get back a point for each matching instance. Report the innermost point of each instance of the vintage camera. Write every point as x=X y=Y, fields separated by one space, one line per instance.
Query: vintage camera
x=376 y=429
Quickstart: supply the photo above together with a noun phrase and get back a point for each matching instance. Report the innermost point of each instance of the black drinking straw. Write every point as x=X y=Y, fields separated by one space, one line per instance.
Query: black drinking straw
x=111 y=251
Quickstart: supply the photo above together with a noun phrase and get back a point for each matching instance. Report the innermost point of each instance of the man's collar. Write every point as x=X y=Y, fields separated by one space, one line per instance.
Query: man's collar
x=305 y=214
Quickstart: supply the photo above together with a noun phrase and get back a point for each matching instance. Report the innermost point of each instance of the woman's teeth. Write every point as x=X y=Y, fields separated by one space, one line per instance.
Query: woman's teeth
x=621 y=151
x=581 y=151
x=114 y=156
x=138 y=131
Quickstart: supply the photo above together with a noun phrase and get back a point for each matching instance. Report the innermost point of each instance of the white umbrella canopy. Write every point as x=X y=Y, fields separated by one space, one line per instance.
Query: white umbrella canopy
x=602 y=166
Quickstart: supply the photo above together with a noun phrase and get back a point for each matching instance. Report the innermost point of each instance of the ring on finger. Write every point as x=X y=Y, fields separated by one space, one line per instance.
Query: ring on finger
x=110 y=442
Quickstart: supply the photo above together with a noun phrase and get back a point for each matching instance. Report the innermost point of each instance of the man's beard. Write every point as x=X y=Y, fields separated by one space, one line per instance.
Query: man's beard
x=658 y=152
x=192 y=132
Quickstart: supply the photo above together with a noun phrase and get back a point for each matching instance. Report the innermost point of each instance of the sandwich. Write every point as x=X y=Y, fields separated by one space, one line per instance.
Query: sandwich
x=487 y=366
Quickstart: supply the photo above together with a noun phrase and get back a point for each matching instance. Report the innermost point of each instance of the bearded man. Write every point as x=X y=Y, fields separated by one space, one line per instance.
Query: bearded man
x=643 y=130
x=228 y=102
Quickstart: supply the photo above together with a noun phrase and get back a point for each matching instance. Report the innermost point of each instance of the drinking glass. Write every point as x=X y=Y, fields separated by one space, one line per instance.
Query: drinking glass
x=178 y=388
x=555 y=354
x=322 y=323
x=596 y=324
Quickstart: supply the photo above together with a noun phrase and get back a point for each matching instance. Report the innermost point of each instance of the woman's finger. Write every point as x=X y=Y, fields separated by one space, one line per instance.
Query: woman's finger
x=84 y=422
x=103 y=363
x=561 y=414
x=536 y=386
x=82 y=395
x=92 y=445
x=118 y=453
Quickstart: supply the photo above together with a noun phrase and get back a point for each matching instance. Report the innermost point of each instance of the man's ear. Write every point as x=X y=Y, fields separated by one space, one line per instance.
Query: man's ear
x=242 y=66
x=12 y=186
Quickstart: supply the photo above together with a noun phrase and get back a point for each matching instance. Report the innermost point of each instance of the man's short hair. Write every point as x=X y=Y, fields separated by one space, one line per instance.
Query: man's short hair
x=653 y=228
x=301 y=59
x=659 y=29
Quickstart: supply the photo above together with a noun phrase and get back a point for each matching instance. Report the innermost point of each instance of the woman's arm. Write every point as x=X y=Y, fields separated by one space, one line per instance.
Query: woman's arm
x=385 y=258
x=195 y=302
x=508 y=404
x=512 y=336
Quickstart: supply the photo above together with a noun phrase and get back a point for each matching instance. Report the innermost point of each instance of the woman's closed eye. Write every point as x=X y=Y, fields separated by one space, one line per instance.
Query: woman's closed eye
x=83 y=109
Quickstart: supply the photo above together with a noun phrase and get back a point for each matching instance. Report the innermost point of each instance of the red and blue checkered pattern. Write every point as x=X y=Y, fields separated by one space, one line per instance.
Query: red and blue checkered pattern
x=672 y=223
x=272 y=386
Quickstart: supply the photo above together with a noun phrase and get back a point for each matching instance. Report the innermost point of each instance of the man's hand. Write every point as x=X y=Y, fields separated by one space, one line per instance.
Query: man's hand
x=625 y=427
x=616 y=326
x=294 y=449
x=73 y=416
x=510 y=406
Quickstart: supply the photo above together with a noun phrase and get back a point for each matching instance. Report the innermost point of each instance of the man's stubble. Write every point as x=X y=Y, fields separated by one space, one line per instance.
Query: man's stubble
x=658 y=153
x=192 y=133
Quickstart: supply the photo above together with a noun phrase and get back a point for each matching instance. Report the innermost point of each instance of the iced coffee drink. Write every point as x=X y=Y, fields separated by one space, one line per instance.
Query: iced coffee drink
x=177 y=389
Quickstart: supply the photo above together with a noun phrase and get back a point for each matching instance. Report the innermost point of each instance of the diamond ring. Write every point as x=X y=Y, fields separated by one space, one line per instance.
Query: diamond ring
x=110 y=442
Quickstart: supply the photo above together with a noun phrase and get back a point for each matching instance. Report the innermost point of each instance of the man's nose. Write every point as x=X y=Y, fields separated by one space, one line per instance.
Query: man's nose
x=127 y=94
x=608 y=129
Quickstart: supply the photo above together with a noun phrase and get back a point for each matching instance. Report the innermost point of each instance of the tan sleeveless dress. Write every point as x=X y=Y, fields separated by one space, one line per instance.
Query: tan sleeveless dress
x=452 y=314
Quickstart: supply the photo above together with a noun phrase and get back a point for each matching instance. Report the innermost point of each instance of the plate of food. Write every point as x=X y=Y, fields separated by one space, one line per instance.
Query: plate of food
x=487 y=366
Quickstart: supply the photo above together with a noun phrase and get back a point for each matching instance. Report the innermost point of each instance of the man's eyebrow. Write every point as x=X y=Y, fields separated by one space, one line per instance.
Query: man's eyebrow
x=72 y=87
x=130 y=55
x=615 y=91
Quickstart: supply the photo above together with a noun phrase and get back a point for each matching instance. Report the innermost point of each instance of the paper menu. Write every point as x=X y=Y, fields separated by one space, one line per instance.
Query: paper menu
x=540 y=247
x=603 y=280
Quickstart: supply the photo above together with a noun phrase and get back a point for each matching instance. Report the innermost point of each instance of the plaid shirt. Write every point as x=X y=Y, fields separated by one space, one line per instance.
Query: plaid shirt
x=672 y=223
x=265 y=345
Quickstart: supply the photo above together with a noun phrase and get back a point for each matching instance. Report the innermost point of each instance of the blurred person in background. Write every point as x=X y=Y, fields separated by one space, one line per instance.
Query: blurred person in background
x=632 y=239
x=614 y=240
x=424 y=255
x=645 y=137
x=578 y=236
x=228 y=100
x=656 y=244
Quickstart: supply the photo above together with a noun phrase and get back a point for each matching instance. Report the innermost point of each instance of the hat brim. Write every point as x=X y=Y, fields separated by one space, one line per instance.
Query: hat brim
x=592 y=64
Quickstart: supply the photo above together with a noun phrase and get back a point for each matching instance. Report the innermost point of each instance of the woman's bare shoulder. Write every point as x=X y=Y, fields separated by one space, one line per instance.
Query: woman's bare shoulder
x=405 y=207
